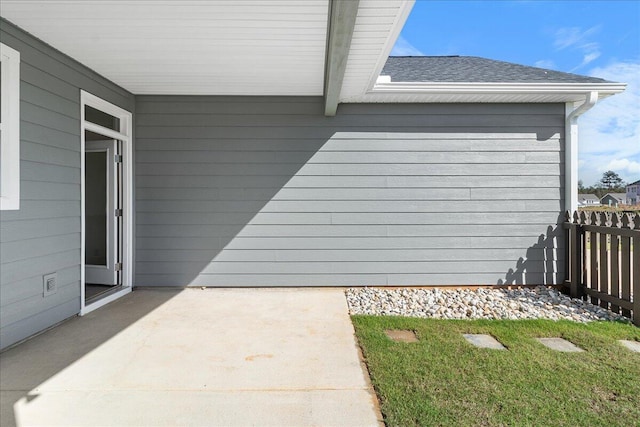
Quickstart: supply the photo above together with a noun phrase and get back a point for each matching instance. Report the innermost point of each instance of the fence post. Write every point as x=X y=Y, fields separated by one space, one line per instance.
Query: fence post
x=575 y=242
x=567 y=250
x=636 y=272
x=594 y=264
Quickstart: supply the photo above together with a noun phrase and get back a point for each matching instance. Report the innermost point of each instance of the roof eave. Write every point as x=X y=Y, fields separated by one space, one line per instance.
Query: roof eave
x=472 y=92
x=498 y=88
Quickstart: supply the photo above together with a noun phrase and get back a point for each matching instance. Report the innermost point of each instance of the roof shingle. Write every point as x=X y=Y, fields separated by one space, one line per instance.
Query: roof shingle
x=472 y=69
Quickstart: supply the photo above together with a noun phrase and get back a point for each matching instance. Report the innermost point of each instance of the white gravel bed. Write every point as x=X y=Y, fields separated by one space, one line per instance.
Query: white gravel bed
x=523 y=303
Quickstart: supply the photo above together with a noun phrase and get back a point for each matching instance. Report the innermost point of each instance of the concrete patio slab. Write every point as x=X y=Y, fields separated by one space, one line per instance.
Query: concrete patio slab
x=631 y=345
x=560 y=344
x=194 y=357
x=484 y=341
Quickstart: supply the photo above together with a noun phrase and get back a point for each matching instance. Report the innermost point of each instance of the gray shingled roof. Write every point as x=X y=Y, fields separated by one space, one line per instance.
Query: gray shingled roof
x=618 y=196
x=472 y=69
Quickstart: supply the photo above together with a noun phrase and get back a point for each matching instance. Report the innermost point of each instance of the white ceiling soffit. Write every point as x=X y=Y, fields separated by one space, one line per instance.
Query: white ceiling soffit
x=222 y=47
x=378 y=25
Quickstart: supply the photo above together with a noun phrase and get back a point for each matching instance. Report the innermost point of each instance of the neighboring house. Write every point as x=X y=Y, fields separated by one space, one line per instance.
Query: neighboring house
x=614 y=199
x=268 y=144
x=588 y=200
x=633 y=193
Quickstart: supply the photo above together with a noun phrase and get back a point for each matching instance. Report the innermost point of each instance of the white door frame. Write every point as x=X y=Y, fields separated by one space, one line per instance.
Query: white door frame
x=124 y=134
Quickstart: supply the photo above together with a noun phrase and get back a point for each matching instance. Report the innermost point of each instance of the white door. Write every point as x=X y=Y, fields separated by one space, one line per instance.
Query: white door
x=102 y=212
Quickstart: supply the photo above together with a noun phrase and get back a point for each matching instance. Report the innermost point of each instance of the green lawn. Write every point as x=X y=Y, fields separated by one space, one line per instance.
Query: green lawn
x=443 y=380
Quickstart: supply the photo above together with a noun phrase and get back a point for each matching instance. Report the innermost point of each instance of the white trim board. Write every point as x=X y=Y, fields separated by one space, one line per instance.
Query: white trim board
x=124 y=134
x=10 y=128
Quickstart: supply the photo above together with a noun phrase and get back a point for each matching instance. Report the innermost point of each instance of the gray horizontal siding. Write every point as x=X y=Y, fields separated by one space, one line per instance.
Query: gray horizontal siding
x=268 y=192
x=285 y=218
x=44 y=235
x=330 y=243
x=284 y=170
x=372 y=119
x=233 y=185
x=437 y=142
x=30 y=229
x=319 y=230
x=340 y=206
x=326 y=279
x=350 y=158
x=324 y=193
x=342 y=255
x=297 y=132
x=351 y=267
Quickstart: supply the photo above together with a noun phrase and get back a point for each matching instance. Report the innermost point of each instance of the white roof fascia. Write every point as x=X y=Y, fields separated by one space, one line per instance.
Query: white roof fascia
x=473 y=92
x=497 y=88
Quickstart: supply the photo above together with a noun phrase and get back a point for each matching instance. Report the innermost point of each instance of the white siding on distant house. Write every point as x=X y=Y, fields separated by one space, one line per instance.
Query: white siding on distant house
x=633 y=193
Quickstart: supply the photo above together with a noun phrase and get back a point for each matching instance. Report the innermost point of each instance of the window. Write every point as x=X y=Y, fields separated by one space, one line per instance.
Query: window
x=9 y=128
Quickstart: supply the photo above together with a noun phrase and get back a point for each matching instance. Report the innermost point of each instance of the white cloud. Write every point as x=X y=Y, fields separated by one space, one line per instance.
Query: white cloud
x=545 y=63
x=587 y=58
x=575 y=38
x=630 y=166
x=404 y=48
x=610 y=132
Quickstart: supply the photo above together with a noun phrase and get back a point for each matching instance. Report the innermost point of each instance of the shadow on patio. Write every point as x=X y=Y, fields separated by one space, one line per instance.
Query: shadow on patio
x=74 y=349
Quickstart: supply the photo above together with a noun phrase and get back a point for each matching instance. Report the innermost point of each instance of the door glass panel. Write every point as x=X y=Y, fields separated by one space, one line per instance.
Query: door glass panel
x=101 y=118
x=91 y=136
x=96 y=208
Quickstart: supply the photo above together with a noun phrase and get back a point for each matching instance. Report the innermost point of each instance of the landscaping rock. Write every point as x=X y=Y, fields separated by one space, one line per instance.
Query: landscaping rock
x=484 y=303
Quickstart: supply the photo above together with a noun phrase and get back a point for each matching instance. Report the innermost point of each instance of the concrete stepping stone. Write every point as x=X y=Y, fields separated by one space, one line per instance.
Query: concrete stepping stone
x=484 y=341
x=401 y=335
x=559 y=344
x=631 y=345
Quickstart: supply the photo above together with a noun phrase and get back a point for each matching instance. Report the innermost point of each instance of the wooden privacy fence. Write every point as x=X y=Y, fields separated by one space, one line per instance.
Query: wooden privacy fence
x=603 y=260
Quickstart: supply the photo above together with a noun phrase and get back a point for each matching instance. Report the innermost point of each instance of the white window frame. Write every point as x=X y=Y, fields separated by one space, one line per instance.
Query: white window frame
x=10 y=128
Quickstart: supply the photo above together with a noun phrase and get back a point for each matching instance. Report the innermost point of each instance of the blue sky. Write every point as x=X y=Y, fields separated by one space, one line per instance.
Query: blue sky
x=594 y=38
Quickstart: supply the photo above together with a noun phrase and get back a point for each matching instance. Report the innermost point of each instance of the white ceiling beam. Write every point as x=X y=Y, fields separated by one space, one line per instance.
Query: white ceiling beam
x=342 y=20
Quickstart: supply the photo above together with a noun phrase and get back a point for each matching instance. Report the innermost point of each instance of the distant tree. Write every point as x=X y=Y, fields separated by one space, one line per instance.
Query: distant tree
x=610 y=180
x=580 y=186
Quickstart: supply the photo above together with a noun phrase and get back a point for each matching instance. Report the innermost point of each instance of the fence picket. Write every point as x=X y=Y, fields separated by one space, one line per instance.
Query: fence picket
x=603 y=260
x=615 y=262
x=625 y=266
x=593 y=255
x=577 y=244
